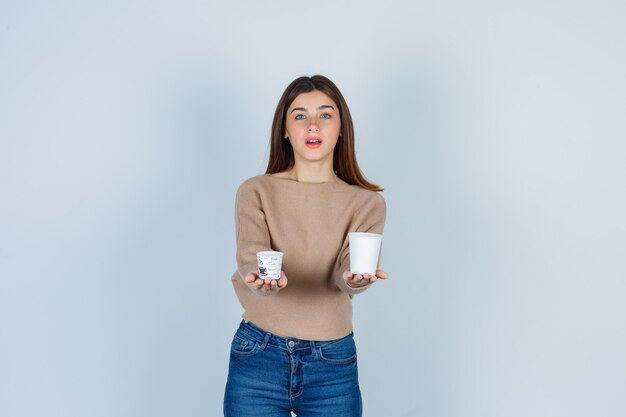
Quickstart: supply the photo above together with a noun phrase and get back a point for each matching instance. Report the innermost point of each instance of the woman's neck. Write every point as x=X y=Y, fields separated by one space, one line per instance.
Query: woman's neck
x=312 y=172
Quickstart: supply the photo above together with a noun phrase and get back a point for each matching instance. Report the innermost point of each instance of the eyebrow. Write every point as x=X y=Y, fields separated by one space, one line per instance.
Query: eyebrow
x=323 y=106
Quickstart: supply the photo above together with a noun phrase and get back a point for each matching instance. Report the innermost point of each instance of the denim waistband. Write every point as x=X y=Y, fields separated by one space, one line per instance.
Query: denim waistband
x=290 y=343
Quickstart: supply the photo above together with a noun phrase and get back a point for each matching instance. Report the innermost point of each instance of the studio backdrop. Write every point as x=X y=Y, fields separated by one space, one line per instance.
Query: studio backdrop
x=495 y=128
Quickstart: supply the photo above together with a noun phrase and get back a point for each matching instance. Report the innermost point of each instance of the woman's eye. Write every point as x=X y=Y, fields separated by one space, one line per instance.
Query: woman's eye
x=325 y=116
x=299 y=116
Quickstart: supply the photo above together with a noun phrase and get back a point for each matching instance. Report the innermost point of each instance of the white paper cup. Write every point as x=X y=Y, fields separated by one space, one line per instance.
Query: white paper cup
x=364 y=252
x=270 y=264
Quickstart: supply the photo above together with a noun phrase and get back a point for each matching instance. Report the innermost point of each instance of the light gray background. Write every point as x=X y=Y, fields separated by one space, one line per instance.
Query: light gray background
x=496 y=128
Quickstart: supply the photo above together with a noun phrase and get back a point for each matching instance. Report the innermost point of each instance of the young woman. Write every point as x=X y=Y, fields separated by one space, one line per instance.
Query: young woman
x=294 y=349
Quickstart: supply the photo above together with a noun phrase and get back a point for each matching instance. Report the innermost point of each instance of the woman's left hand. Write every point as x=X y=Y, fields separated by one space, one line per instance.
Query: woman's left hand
x=361 y=280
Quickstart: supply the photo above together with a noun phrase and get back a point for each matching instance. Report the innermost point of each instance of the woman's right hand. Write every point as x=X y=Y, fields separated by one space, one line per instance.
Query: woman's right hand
x=265 y=286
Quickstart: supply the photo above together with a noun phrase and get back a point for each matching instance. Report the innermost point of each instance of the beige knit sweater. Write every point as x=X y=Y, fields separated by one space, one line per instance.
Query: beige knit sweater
x=309 y=223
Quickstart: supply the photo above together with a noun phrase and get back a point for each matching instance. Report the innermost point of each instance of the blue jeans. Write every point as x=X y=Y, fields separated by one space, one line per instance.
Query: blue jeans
x=270 y=376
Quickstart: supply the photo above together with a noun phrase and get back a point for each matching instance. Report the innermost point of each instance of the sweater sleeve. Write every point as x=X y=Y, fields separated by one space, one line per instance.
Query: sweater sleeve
x=371 y=219
x=251 y=229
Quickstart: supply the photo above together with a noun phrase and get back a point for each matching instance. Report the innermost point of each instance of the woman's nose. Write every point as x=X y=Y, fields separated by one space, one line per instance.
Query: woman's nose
x=313 y=127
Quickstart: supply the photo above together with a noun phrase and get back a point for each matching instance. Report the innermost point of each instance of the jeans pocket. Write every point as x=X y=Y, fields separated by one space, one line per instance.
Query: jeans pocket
x=342 y=351
x=243 y=344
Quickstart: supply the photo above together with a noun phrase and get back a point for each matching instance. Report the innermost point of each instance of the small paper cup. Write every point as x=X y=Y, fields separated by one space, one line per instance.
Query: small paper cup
x=364 y=252
x=270 y=264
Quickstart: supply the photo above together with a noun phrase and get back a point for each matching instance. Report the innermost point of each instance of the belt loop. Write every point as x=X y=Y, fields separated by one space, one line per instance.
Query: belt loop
x=266 y=340
x=314 y=348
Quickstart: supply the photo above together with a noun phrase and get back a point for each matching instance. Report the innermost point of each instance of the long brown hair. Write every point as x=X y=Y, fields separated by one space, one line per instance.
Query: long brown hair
x=344 y=156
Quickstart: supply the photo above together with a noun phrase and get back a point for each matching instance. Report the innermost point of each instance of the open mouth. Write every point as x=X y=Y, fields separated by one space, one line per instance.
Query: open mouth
x=313 y=143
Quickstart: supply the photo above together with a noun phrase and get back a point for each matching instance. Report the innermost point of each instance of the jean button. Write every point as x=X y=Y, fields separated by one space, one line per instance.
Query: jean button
x=291 y=343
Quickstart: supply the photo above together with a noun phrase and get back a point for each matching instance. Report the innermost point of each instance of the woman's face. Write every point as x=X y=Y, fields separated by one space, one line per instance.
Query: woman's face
x=312 y=126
